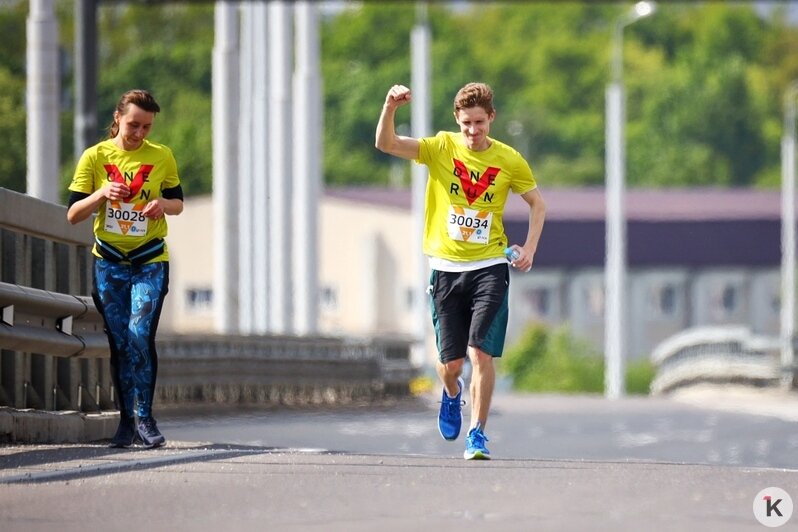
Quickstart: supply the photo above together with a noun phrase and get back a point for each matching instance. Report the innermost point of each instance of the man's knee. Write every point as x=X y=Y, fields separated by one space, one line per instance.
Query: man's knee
x=454 y=366
x=479 y=357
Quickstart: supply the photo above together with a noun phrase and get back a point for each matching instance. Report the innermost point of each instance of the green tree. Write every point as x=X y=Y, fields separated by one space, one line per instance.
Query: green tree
x=358 y=70
x=13 y=162
x=696 y=121
x=174 y=63
x=545 y=63
x=12 y=26
x=12 y=131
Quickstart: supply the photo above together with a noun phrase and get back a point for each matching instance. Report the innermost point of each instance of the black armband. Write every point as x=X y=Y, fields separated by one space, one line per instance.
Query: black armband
x=77 y=196
x=173 y=193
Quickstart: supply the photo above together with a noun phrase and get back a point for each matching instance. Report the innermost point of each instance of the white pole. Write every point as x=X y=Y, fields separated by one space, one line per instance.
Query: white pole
x=43 y=107
x=260 y=173
x=246 y=322
x=225 y=166
x=615 y=260
x=787 y=314
x=308 y=156
x=615 y=240
x=421 y=126
x=279 y=167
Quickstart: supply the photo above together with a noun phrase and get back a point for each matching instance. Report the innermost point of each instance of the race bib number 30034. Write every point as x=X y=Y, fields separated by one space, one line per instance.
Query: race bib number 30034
x=125 y=219
x=468 y=225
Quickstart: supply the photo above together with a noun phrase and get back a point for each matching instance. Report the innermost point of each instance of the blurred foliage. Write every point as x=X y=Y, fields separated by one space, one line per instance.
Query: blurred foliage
x=554 y=361
x=173 y=61
x=13 y=162
x=12 y=130
x=546 y=360
x=705 y=83
x=639 y=374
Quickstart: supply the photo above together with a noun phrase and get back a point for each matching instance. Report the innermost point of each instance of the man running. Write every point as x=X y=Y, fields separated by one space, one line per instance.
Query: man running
x=470 y=178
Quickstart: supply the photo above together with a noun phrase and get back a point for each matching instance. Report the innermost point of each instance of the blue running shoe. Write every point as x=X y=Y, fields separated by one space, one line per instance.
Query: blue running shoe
x=450 y=417
x=475 y=445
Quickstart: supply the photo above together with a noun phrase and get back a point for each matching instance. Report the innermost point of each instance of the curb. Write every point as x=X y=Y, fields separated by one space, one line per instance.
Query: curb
x=37 y=426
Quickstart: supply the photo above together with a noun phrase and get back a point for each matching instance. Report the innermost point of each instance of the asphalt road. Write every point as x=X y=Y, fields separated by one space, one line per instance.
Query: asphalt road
x=560 y=463
x=520 y=427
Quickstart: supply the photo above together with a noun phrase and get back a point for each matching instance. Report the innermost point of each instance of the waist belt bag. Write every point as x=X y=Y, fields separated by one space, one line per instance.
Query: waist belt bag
x=137 y=257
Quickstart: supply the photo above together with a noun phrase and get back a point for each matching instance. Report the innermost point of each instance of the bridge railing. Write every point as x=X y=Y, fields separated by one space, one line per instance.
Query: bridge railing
x=54 y=354
x=719 y=355
x=208 y=368
x=47 y=322
x=281 y=369
x=42 y=259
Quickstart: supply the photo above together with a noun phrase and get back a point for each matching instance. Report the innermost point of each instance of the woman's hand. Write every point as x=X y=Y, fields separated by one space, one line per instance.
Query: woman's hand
x=154 y=209
x=116 y=191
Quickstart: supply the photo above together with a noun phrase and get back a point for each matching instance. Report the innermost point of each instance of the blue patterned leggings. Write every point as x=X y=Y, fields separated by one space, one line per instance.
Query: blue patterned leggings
x=130 y=299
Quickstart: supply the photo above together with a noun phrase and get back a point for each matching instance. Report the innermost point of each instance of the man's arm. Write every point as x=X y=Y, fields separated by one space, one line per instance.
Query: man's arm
x=537 y=215
x=386 y=138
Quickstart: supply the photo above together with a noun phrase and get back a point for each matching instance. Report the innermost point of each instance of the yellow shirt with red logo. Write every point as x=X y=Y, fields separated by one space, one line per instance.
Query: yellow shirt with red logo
x=466 y=194
x=147 y=171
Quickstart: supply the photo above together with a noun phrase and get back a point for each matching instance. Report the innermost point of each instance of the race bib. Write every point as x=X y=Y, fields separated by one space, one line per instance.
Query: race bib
x=125 y=219
x=468 y=225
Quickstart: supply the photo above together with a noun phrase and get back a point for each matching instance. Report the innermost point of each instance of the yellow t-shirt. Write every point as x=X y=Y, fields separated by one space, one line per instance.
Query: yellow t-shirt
x=147 y=171
x=466 y=194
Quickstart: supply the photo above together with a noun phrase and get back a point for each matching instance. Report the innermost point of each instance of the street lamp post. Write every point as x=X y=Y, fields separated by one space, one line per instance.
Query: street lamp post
x=615 y=258
x=420 y=126
x=787 y=312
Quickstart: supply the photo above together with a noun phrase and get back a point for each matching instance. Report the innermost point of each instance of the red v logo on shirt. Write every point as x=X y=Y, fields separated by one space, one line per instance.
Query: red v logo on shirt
x=138 y=179
x=474 y=190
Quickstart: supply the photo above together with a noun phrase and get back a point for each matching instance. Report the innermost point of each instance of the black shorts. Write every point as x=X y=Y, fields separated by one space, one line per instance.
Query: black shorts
x=470 y=309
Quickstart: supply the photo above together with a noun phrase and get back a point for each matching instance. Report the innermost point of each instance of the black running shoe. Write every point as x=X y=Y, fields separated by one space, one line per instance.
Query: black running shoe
x=149 y=433
x=125 y=433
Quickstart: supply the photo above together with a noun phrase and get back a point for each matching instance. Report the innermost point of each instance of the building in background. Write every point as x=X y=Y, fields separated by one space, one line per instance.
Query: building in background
x=696 y=257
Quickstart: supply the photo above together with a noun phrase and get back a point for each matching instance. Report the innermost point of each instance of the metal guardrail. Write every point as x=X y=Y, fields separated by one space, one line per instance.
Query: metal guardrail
x=715 y=355
x=39 y=250
x=54 y=354
x=45 y=322
x=213 y=368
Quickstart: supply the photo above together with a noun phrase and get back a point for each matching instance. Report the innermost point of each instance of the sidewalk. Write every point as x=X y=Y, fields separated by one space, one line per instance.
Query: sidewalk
x=772 y=402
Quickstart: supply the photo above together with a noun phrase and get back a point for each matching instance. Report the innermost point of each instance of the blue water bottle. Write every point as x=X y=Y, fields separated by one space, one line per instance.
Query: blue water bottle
x=511 y=254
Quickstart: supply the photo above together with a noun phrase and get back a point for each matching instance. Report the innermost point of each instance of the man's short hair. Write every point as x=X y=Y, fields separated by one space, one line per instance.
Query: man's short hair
x=474 y=95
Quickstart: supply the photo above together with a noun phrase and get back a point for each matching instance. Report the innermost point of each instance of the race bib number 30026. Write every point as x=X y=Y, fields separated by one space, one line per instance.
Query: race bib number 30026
x=125 y=219
x=468 y=225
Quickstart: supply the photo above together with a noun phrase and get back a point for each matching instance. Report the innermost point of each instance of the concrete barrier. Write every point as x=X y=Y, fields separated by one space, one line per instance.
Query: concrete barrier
x=37 y=426
x=715 y=355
